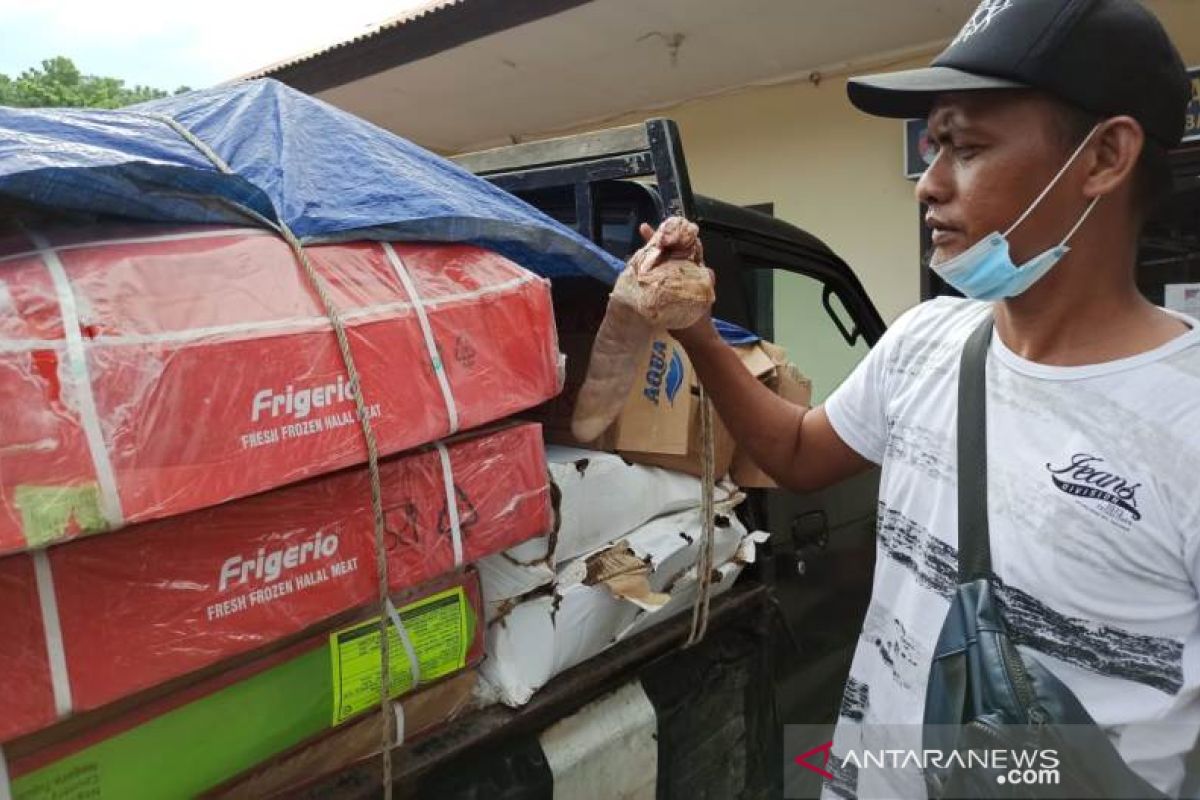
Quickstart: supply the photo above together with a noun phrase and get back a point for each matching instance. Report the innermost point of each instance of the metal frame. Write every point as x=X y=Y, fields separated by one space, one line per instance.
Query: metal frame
x=650 y=150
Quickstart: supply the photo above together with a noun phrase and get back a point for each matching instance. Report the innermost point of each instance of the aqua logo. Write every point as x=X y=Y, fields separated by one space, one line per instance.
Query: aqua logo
x=665 y=367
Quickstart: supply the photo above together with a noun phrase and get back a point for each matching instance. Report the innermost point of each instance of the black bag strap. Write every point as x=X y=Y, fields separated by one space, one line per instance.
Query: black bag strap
x=974 y=546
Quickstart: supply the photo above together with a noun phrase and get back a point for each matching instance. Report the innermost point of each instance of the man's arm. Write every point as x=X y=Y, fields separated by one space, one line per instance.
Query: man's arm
x=796 y=446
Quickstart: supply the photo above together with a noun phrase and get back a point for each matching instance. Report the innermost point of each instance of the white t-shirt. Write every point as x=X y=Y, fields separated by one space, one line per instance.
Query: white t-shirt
x=1094 y=509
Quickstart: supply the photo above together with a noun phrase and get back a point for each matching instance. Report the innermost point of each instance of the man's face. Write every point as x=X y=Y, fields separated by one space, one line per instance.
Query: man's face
x=997 y=150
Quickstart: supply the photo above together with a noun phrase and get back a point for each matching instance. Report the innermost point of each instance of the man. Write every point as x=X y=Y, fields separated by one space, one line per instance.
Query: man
x=1051 y=119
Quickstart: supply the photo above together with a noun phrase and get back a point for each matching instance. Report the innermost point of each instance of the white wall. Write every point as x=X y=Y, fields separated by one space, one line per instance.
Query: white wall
x=832 y=170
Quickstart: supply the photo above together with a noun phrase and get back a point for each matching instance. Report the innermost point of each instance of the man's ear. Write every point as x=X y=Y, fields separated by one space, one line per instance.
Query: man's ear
x=1116 y=147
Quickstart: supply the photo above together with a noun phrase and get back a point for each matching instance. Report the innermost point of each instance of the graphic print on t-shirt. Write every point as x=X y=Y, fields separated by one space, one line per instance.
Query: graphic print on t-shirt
x=1104 y=649
x=1102 y=491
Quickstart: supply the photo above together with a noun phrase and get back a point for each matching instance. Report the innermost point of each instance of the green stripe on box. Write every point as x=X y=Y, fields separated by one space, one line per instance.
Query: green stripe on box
x=201 y=744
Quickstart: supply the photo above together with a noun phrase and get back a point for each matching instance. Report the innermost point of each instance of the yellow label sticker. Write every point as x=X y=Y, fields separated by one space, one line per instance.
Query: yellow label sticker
x=439 y=629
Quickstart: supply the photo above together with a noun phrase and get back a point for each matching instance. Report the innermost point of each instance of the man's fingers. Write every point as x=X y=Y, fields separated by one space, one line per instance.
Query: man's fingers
x=674 y=238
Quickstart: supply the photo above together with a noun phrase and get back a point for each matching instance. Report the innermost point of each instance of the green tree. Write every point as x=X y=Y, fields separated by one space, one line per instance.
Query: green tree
x=59 y=83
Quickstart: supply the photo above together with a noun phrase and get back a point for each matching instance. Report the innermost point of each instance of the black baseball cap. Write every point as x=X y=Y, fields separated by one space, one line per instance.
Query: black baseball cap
x=1108 y=57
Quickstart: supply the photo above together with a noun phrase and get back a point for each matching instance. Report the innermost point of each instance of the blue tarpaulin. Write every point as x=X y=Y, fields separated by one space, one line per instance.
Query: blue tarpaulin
x=326 y=174
x=293 y=159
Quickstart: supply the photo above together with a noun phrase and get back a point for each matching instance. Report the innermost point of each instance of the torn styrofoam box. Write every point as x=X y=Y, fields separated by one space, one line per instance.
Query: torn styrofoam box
x=600 y=497
x=683 y=594
x=600 y=598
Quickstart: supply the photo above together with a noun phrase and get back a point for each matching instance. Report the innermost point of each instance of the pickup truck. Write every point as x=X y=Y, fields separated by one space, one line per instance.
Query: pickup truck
x=779 y=643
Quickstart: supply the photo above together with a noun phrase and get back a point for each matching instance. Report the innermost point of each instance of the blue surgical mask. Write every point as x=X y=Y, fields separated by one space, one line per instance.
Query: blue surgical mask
x=986 y=271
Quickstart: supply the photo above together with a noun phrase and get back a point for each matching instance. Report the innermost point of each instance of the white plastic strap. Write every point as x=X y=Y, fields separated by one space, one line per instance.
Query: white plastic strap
x=76 y=363
x=52 y=629
x=399 y=709
x=439 y=369
x=5 y=785
x=125 y=241
x=451 y=503
x=414 y=666
x=186 y=335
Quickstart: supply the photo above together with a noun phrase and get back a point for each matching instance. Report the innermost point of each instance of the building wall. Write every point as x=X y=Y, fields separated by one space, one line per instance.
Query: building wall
x=832 y=171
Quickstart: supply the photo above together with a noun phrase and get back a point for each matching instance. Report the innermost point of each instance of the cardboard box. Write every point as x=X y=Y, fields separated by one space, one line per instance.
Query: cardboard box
x=166 y=598
x=660 y=422
x=201 y=736
x=599 y=599
x=787 y=381
x=212 y=372
x=420 y=713
x=598 y=498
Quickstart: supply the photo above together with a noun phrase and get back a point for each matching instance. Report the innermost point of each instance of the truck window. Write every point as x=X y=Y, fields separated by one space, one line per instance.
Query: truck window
x=812 y=337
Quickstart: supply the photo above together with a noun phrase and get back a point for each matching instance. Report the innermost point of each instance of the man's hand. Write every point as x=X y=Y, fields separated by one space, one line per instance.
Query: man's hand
x=796 y=446
x=676 y=238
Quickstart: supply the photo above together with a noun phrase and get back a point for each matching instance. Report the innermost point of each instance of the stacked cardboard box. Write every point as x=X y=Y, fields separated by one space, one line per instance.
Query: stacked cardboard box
x=134 y=609
x=186 y=386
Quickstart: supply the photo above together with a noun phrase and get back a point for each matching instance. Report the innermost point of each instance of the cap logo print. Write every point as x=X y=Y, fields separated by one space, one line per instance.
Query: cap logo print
x=983 y=16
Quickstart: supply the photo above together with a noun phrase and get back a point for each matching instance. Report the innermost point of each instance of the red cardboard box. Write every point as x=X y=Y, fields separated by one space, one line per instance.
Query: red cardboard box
x=196 y=366
x=166 y=598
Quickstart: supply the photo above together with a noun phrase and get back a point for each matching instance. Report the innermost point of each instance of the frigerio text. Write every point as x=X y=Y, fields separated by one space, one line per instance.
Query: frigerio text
x=299 y=403
x=269 y=565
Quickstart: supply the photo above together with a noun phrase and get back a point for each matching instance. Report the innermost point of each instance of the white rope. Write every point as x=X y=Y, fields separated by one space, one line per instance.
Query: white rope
x=339 y=329
x=435 y=358
x=60 y=679
x=81 y=382
x=451 y=503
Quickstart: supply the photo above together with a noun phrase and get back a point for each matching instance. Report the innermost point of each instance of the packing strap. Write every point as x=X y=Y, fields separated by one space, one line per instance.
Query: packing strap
x=399 y=709
x=80 y=381
x=60 y=680
x=451 y=503
x=435 y=358
x=5 y=784
x=414 y=665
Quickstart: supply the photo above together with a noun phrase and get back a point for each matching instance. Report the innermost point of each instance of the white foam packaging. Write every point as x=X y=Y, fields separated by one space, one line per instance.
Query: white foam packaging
x=599 y=497
x=606 y=596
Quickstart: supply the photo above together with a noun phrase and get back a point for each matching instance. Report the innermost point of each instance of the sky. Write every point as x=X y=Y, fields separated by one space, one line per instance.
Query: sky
x=166 y=44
